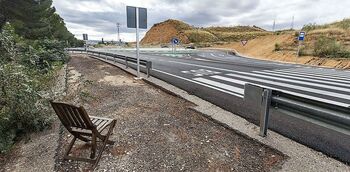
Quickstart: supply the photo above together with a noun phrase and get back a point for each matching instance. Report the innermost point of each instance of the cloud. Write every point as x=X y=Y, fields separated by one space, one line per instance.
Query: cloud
x=98 y=18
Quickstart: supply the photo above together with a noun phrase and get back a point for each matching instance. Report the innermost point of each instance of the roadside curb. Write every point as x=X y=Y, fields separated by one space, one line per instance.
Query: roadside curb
x=301 y=158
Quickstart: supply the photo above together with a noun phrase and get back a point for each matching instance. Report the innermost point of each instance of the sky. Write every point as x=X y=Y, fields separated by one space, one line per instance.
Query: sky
x=98 y=18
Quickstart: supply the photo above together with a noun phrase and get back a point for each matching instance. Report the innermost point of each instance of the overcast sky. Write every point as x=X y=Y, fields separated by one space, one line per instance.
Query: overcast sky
x=98 y=18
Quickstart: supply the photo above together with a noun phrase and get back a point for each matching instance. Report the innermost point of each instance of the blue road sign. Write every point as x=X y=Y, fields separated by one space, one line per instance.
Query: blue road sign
x=175 y=41
x=301 y=36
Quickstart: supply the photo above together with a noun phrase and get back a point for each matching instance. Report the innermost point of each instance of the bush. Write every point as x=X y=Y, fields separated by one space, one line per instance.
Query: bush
x=22 y=110
x=19 y=102
x=309 y=27
x=330 y=48
x=277 y=47
x=44 y=53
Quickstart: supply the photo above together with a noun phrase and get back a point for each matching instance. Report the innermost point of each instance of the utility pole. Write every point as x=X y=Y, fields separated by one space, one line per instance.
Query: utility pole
x=292 y=23
x=274 y=25
x=118 y=27
x=137 y=42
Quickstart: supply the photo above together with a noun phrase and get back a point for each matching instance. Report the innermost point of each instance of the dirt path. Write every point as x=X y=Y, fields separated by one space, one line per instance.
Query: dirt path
x=155 y=131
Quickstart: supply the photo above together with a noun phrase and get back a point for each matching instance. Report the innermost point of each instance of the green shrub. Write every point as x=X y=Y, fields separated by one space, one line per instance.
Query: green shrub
x=309 y=27
x=22 y=110
x=277 y=47
x=330 y=48
x=19 y=102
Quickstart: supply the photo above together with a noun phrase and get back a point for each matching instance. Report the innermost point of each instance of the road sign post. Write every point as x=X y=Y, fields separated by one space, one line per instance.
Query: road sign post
x=85 y=38
x=137 y=18
x=301 y=38
x=174 y=42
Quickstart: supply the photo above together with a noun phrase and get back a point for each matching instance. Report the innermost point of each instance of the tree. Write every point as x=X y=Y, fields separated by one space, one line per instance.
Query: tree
x=35 y=19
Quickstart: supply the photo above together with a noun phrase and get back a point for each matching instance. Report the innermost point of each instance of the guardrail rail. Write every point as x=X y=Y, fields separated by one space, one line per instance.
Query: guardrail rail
x=125 y=59
x=331 y=116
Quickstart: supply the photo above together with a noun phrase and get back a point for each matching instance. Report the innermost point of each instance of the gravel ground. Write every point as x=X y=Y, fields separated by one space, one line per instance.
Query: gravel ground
x=155 y=131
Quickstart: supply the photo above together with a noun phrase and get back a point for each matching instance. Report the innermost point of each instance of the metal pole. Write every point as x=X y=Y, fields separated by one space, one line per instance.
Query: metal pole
x=298 y=52
x=118 y=26
x=264 y=116
x=137 y=43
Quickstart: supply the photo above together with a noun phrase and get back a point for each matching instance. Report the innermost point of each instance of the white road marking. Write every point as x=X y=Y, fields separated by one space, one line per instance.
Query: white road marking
x=220 y=85
x=285 y=91
x=328 y=71
x=213 y=55
x=307 y=76
x=199 y=83
x=316 y=73
x=296 y=81
x=307 y=89
x=203 y=59
x=203 y=66
x=300 y=77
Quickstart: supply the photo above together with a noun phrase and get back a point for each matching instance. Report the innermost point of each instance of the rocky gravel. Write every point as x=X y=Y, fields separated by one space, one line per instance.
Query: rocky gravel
x=155 y=131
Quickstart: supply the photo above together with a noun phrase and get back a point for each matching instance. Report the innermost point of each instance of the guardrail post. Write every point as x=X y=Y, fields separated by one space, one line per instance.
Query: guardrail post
x=126 y=62
x=149 y=67
x=264 y=116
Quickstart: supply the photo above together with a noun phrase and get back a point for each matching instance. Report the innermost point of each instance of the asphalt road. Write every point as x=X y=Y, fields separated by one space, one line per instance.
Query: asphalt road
x=219 y=77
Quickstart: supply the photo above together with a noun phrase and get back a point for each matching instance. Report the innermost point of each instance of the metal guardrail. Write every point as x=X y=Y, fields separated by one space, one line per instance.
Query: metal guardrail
x=125 y=59
x=331 y=116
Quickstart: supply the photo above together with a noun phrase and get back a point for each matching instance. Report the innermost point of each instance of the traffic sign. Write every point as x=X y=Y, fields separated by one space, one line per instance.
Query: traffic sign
x=301 y=36
x=85 y=37
x=244 y=42
x=131 y=17
x=175 y=41
x=137 y=18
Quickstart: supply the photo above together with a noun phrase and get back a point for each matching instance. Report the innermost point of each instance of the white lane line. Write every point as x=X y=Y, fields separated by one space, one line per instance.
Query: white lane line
x=301 y=88
x=273 y=71
x=212 y=54
x=285 y=91
x=299 y=77
x=199 y=83
x=203 y=66
x=221 y=85
x=296 y=81
x=329 y=71
x=203 y=60
x=305 y=76
x=314 y=73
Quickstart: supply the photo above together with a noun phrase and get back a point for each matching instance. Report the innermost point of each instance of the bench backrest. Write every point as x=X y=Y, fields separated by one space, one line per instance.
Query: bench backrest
x=72 y=116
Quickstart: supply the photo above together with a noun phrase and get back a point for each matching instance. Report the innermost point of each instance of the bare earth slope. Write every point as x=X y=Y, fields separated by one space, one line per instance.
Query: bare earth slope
x=163 y=32
x=263 y=48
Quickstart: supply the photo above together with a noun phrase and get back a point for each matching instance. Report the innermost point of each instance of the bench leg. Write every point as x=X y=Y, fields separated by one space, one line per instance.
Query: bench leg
x=105 y=141
x=66 y=155
x=93 y=146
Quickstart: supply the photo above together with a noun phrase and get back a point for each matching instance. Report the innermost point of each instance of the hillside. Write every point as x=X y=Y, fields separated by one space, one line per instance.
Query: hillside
x=325 y=45
x=162 y=33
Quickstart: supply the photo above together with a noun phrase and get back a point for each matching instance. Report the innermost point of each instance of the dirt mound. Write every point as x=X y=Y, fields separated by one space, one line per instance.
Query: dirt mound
x=162 y=33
